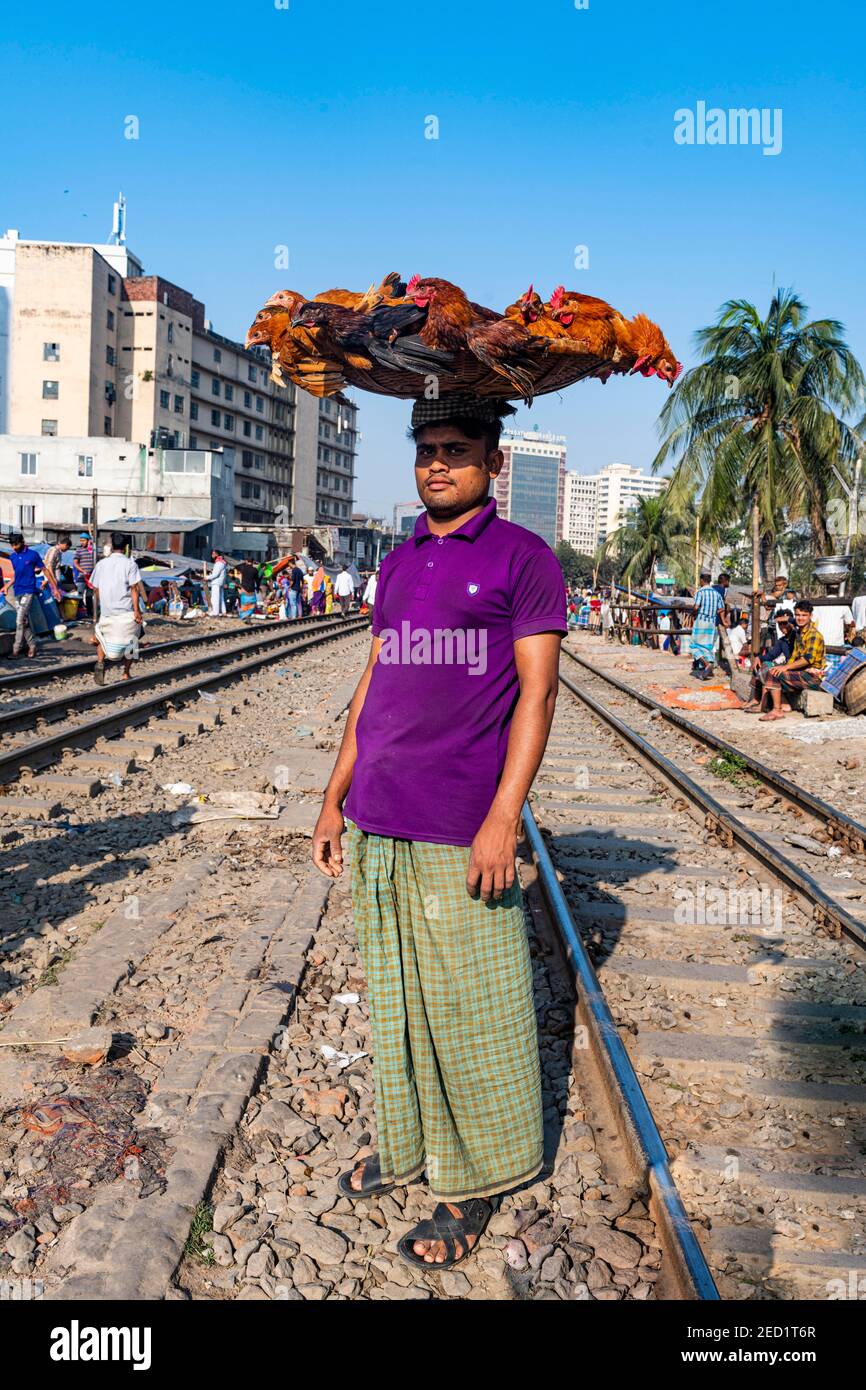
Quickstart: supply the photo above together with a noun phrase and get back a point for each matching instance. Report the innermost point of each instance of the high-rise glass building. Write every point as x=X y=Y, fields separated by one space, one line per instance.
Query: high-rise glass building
x=530 y=490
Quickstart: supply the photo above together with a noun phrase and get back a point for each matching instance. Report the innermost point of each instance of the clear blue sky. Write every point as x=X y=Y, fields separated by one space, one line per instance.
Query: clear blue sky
x=261 y=126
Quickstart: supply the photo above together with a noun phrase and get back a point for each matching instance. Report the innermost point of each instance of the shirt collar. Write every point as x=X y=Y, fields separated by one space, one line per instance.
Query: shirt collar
x=469 y=531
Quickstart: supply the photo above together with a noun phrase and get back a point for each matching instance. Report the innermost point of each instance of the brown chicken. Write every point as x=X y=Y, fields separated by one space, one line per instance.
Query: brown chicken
x=631 y=345
x=295 y=354
x=391 y=291
x=535 y=316
x=454 y=324
x=386 y=336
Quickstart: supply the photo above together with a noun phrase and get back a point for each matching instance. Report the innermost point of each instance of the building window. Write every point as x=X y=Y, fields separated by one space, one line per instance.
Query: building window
x=112 y=284
x=260 y=461
x=217 y=355
x=247 y=458
x=164 y=400
x=110 y=357
x=260 y=434
x=195 y=378
x=86 y=516
x=260 y=405
x=28 y=464
x=228 y=422
x=178 y=405
x=107 y=424
x=109 y=318
x=85 y=465
x=229 y=392
x=26 y=514
x=215 y=418
x=50 y=390
x=49 y=426
x=50 y=352
x=170 y=332
x=193 y=442
x=193 y=410
x=248 y=429
x=215 y=387
x=248 y=401
x=251 y=373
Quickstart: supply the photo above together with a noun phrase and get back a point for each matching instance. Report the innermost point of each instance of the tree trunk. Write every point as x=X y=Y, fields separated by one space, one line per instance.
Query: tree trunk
x=756 y=577
x=768 y=559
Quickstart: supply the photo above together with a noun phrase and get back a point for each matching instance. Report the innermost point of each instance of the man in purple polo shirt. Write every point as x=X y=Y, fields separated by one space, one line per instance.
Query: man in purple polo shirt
x=445 y=733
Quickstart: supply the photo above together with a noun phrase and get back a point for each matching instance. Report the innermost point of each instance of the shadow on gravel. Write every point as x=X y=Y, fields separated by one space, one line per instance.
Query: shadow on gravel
x=25 y=858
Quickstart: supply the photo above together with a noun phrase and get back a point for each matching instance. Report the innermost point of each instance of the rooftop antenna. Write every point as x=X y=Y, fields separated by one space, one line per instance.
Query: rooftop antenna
x=118 y=224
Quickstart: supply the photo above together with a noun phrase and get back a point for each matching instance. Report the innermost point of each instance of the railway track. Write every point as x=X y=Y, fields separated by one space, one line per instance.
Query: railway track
x=734 y=979
x=130 y=704
x=83 y=666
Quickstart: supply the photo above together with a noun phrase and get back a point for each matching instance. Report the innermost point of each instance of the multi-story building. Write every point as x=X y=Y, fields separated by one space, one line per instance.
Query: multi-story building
x=92 y=347
x=530 y=489
x=405 y=516
x=596 y=504
x=47 y=486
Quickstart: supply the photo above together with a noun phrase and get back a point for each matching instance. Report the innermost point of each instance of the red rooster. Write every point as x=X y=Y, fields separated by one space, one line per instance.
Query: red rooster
x=454 y=324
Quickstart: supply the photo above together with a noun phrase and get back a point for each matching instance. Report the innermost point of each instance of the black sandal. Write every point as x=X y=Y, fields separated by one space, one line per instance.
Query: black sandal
x=371 y=1180
x=445 y=1226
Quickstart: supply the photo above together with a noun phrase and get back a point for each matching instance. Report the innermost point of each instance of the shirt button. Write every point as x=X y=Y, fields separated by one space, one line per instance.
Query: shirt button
x=440 y=541
x=429 y=564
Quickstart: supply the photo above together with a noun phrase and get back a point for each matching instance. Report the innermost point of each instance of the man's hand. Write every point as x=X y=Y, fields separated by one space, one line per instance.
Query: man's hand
x=491 y=858
x=327 y=842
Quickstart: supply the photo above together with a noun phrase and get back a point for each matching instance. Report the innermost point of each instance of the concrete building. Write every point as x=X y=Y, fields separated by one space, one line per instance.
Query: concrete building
x=530 y=490
x=596 y=504
x=47 y=485
x=91 y=347
x=405 y=516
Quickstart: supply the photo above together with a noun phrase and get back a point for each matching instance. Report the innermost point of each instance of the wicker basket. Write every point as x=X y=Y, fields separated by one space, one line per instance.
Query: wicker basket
x=551 y=372
x=854 y=692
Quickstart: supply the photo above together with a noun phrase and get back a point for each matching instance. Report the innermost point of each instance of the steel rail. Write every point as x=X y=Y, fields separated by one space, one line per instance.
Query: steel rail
x=640 y=1132
x=100 y=694
x=845 y=827
x=717 y=818
x=41 y=750
x=87 y=663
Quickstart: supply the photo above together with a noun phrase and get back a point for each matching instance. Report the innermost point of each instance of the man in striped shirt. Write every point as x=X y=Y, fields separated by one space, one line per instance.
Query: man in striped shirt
x=84 y=560
x=708 y=601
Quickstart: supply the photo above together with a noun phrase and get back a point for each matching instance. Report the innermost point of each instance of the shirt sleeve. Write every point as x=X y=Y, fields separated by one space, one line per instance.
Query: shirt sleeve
x=134 y=573
x=538 y=596
x=377 y=623
x=94 y=575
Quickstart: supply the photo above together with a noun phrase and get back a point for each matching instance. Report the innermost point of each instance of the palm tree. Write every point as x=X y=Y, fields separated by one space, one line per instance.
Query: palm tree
x=655 y=529
x=757 y=428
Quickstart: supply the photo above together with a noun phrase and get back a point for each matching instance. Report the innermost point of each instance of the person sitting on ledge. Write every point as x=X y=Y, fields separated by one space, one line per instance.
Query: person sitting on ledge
x=805 y=670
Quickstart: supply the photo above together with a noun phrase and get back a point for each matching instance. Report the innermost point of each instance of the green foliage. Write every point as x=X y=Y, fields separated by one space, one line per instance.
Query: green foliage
x=576 y=568
x=202 y=1223
x=760 y=420
x=730 y=767
x=656 y=531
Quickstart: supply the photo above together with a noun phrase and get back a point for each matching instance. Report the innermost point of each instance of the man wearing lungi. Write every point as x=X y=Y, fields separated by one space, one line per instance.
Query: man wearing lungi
x=805 y=670
x=708 y=601
x=118 y=583
x=445 y=733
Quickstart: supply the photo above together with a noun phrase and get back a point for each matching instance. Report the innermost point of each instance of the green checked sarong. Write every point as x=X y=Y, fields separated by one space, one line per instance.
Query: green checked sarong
x=455 y=1043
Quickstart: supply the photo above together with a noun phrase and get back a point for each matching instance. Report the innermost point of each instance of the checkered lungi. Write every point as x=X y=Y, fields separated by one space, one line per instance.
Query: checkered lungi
x=792 y=680
x=455 y=1043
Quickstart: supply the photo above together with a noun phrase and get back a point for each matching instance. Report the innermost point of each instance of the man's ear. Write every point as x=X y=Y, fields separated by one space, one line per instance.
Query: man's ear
x=494 y=462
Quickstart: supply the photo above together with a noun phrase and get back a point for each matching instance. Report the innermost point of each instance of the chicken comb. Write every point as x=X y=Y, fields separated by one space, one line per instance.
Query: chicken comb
x=528 y=296
x=557 y=297
x=412 y=285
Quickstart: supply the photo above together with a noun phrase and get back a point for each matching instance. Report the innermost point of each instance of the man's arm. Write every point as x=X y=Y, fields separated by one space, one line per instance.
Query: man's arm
x=138 y=599
x=491 y=859
x=327 y=842
x=48 y=571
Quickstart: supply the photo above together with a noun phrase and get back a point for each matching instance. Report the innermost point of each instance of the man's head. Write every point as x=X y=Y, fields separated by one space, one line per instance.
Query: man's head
x=723 y=580
x=785 y=622
x=802 y=613
x=84 y=537
x=456 y=451
x=706 y=577
x=118 y=540
x=790 y=594
x=16 y=540
x=64 y=540
x=214 y=554
x=779 y=583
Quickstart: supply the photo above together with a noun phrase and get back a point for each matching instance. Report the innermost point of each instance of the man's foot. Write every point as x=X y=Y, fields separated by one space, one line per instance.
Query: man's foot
x=773 y=714
x=448 y=1236
x=434 y=1251
x=32 y=652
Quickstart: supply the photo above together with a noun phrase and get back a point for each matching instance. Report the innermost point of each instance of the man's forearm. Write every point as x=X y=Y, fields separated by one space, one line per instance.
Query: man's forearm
x=341 y=778
x=527 y=740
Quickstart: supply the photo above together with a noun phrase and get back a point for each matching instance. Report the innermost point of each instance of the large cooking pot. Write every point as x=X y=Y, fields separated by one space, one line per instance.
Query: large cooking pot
x=832 y=569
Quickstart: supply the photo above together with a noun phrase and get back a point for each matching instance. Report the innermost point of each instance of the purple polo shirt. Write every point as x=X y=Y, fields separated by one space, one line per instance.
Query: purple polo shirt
x=433 y=734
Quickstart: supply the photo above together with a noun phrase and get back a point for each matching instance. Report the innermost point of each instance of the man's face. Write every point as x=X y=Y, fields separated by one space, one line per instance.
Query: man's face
x=453 y=472
x=802 y=619
x=18 y=547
